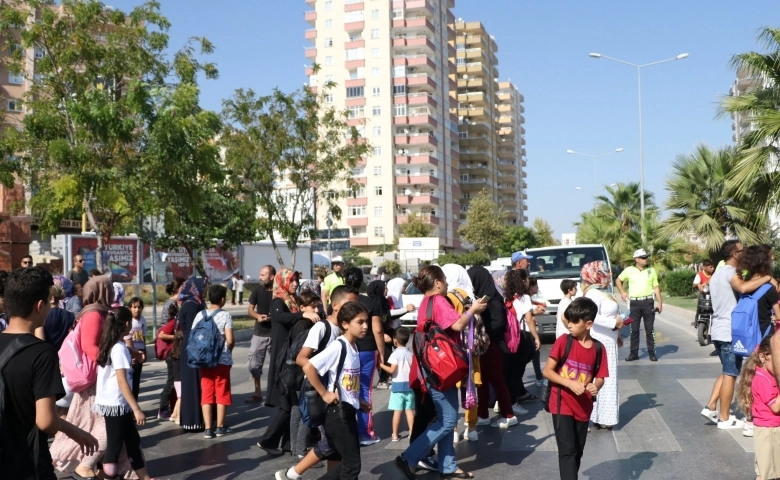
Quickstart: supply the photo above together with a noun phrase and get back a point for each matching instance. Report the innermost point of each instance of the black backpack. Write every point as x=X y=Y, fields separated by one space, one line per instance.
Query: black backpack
x=8 y=447
x=291 y=373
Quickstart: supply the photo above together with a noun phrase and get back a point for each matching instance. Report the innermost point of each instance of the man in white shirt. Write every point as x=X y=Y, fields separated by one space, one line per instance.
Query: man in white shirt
x=240 y=289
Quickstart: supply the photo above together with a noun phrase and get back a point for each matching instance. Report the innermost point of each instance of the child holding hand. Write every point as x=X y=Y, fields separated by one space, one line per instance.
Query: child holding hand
x=401 y=396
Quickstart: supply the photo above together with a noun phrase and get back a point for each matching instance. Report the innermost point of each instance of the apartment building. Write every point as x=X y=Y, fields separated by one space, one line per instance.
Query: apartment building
x=490 y=124
x=391 y=63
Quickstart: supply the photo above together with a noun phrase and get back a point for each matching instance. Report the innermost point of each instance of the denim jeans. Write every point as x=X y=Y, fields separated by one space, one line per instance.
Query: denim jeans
x=438 y=433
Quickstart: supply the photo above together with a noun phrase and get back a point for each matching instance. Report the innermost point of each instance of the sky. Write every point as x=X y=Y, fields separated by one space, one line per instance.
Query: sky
x=572 y=101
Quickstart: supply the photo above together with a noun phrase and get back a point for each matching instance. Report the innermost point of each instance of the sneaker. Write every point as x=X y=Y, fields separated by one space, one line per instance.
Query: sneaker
x=382 y=385
x=164 y=414
x=483 y=421
x=519 y=410
x=731 y=423
x=282 y=475
x=208 y=433
x=370 y=441
x=428 y=463
x=495 y=408
x=222 y=431
x=504 y=422
x=711 y=415
x=471 y=436
x=747 y=430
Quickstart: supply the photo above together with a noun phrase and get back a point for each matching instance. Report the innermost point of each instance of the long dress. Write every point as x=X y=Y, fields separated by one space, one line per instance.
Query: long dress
x=191 y=416
x=606 y=409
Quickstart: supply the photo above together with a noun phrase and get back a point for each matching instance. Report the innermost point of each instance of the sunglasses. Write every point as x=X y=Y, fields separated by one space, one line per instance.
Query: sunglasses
x=79 y=261
x=26 y=262
x=643 y=258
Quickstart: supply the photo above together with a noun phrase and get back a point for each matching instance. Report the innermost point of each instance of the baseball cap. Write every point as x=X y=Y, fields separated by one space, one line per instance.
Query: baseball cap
x=519 y=256
x=640 y=253
x=337 y=260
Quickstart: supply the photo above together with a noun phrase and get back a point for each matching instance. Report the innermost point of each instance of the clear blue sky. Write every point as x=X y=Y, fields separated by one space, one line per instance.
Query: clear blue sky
x=571 y=101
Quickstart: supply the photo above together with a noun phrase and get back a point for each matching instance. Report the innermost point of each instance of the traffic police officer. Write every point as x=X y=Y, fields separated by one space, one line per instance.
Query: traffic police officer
x=642 y=285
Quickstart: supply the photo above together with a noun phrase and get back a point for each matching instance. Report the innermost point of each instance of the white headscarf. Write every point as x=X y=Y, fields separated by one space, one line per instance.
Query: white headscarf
x=395 y=290
x=457 y=277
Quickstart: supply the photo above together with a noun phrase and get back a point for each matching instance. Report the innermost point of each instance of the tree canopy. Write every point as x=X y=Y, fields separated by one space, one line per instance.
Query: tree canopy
x=484 y=225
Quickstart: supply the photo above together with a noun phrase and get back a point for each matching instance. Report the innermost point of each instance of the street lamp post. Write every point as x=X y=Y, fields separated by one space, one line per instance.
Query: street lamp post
x=641 y=152
x=595 y=167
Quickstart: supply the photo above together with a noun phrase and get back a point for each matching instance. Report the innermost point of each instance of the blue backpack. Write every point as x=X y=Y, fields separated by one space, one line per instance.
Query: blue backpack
x=206 y=343
x=310 y=403
x=745 y=331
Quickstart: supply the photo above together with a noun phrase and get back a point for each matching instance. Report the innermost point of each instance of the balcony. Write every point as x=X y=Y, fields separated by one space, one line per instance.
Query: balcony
x=467 y=155
x=354 y=26
x=425 y=119
x=353 y=64
x=474 y=184
x=417 y=139
x=416 y=159
x=476 y=98
x=310 y=53
x=418 y=42
x=507 y=166
x=472 y=83
x=476 y=68
x=310 y=17
x=419 y=7
x=414 y=23
x=416 y=180
x=476 y=141
x=508 y=188
x=357 y=82
x=422 y=80
x=416 y=199
x=356 y=44
x=353 y=202
x=310 y=34
x=506 y=141
x=352 y=5
x=357 y=221
x=475 y=168
x=401 y=219
x=509 y=201
x=414 y=61
x=420 y=99
x=358 y=241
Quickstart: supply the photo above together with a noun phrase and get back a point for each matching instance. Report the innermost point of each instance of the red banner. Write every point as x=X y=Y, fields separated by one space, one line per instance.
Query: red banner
x=168 y=264
x=119 y=254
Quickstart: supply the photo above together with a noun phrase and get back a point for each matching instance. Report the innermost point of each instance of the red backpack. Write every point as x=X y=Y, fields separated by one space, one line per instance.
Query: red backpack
x=439 y=360
x=512 y=333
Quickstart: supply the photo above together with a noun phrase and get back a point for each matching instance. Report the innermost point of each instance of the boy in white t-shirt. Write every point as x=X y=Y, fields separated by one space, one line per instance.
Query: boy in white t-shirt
x=569 y=289
x=401 y=396
x=240 y=289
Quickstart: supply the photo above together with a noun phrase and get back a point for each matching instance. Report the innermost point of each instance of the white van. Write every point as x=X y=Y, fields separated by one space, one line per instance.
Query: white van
x=551 y=265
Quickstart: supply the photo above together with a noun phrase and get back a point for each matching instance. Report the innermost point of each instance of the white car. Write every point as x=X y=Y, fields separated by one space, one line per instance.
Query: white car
x=413 y=296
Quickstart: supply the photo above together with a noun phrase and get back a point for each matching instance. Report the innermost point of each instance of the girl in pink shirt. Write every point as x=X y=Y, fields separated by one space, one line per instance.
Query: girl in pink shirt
x=758 y=393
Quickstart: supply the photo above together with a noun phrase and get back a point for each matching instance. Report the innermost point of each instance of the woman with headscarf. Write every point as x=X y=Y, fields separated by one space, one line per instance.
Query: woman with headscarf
x=285 y=314
x=119 y=295
x=59 y=321
x=66 y=454
x=596 y=281
x=313 y=287
x=191 y=298
x=70 y=301
x=491 y=363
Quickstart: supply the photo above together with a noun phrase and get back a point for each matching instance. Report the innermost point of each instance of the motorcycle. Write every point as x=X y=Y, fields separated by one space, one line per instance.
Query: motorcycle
x=704 y=316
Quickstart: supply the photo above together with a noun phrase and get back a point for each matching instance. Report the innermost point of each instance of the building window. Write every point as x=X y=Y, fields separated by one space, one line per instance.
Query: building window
x=358 y=192
x=377 y=131
x=357 y=211
x=399 y=110
x=375 y=71
x=378 y=191
x=377 y=211
x=375 y=33
x=356 y=112
x=378 y=232
x=399 y=71
x=358 y=172
x=375 y=52
x=39 y=53
x=329 y=23
x=355 y=54
x=398 y=13
x=358 y=73
x=377 y=151
x=358 y=231
x=355 y=36
x=376 y=111
x=15 y=78
x=374 y=14
x=14 y=106
x=460 y=47
x=399 y=90
x=329 y=60
x=329 y=98
x=377 y=171
x=464 y=178
x=375 y=91
x=353 y=92
x=329 y=42
x=354 y=16
x=460 y=61
x=464 y=208
x=329 y=5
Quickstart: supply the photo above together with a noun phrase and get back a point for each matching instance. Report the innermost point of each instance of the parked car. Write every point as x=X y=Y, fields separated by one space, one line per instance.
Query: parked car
x=413 y=296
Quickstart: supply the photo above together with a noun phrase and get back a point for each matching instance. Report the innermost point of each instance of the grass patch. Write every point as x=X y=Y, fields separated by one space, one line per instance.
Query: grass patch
x=146 y=293
x=688 y=303
x=243 y=322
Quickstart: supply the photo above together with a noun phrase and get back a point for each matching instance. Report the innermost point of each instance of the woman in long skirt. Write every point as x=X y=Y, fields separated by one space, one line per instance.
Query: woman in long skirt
x=191 y=297
x=596 y=279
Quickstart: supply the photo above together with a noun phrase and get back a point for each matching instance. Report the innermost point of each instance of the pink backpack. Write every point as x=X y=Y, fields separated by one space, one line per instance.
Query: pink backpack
x=79 y=370
x=512 y=333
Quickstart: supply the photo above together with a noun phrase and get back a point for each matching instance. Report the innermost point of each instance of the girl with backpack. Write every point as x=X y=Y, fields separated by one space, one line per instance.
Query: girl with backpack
x=433 y=283
x=114 y=398
x=340 y=361
x=757 y=395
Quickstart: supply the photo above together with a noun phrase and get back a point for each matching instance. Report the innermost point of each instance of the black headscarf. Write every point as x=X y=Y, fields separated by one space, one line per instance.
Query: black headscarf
x=494 y=316
x=376 y=290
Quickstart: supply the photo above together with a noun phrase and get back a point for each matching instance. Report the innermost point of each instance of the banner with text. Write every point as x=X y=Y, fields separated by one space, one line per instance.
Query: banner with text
x=168 y=264
x=119 y=254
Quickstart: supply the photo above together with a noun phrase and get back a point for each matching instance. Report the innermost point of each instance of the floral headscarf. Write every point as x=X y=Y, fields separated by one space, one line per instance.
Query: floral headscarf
x=283 y=288
x=596 y=275
x=67 y=288
x=193 y=291
x=311 y=286
x=499 y=278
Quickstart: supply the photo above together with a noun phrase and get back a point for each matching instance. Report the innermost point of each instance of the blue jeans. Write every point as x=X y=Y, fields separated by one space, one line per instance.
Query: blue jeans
x=365 y=421
x=438 y=433
x=731 y=363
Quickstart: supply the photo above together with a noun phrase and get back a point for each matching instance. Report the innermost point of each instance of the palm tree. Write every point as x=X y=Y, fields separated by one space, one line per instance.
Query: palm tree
x=702 y=203
x=623 y=206
x=665 y=252
x=755 y=173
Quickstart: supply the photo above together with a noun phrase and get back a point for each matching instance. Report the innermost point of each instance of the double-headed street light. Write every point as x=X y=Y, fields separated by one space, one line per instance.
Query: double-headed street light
x=641 y=153
x=595 y=167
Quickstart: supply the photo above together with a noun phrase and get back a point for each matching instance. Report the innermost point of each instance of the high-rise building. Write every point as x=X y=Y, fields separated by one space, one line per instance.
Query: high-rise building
x=391 y=63
x=742 y=124
x=490 y=121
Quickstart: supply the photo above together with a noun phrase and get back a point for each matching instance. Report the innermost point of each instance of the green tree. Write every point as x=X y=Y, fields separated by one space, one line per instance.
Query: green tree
x=416 y=226
x=665 y=252
x=103 y=98
x=392 y=267
x=283 y=149
x=468 y=259
x=485 y=225
x=544 y=233
x=352 y=258
x=515 y=239
x=756 y=173
x=701 y=202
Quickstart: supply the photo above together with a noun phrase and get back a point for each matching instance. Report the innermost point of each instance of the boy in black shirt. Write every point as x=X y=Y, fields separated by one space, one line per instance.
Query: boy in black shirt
x=32 y=382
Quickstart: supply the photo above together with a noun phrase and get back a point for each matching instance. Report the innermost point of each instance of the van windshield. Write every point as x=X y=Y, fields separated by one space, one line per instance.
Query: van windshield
x=563 y=262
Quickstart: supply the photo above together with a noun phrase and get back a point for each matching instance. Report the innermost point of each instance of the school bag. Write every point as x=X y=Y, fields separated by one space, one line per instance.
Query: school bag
x=206 y=343
x=162 y=348
x=745 y=331
x=512 y=333
x=291 y=373
x=310 y=403
x=439 y=360
x=79 y=370
x=8 y=446
x=461 y=301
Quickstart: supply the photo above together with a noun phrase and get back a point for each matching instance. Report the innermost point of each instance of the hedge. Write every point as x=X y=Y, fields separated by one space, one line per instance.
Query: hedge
x=679 y=282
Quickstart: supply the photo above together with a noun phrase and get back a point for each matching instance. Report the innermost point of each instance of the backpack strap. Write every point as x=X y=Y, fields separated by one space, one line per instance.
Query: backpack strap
x=342 y=358
x=325 y=337
x=597 y=364
x=562 y=361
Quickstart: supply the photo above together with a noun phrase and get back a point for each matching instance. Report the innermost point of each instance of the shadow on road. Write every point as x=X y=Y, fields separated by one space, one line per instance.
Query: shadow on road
x=626 y=468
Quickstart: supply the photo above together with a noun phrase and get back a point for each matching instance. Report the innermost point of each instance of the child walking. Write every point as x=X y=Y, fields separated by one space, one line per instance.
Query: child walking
x=114 y=398
x=138 y=342
x=342 y=391
x=401 y=395
x=575 y=382
x=758 y=394
x=569 y=290
x=167 y=334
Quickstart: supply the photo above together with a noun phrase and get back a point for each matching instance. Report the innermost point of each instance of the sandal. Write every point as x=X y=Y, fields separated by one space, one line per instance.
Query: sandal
x=253 y=399
x=403 y=466
x=527 y=398
x=457 y=475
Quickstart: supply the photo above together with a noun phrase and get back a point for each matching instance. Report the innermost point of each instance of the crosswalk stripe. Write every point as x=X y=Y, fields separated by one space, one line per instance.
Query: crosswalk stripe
x=646 y=430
